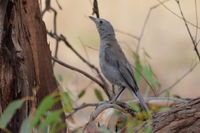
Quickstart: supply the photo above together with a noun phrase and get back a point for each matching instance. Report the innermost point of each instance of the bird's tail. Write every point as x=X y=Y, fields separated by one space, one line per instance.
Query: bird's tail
x=142 y=103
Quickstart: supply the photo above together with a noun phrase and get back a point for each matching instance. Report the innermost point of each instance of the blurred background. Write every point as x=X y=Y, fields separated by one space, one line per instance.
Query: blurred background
x=165 y=39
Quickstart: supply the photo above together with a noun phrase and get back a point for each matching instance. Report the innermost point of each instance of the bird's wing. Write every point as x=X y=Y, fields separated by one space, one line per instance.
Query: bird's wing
x=127 y=75
x=116 y=58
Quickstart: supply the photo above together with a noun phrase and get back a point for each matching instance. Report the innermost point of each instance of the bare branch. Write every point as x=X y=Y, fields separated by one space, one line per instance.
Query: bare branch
x=145 y=23
x=148 y=99
x=84 y=105
x=83 y=73
x=198 y=42
x=121 y=106
x=127 y=34
x=85 y=50
x=55 y=31
x=63 y=38
x=48 y=7
x=197 y=21
x=177 y=14
x=189 y=32
x=101 y=106
x=143 y=77
x=60 y=7
x=95 y=9
x=179 y=80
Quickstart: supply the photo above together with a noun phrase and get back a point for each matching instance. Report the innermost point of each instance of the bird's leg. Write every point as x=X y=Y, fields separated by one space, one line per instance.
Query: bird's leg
x=114 y=99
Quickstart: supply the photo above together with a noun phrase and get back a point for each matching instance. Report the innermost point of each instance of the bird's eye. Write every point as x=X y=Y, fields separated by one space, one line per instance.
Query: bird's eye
x=100 y=22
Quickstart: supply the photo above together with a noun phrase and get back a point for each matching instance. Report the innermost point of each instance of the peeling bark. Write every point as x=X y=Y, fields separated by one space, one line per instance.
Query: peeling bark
x=182 y=118
x=25 y=57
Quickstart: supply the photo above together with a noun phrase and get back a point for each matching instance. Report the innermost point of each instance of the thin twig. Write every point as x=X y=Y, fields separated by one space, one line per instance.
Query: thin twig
x=55 y=31
x=145 y=23
x=48 y=7
x=143 y=77
x=63 y=38
x=85 y=50
x=123 y=107
x=83 y=73
x=142 y=31
x=189 y=32
x=127 y=34
x=84 y=105
x=89 y=84
x=148 y=99
x=60 y=7
x=56 y=51
x=95 y=9
x=198 y=42
x=177 y=14
x=101 y=106
x=179 y=80
x=197 y=20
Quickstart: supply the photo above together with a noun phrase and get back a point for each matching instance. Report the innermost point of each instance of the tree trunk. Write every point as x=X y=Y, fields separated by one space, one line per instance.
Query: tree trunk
x=182 y=118
x=25 y=57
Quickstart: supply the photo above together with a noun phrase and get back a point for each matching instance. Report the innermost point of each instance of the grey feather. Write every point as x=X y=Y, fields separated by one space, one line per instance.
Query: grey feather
x=113 y=63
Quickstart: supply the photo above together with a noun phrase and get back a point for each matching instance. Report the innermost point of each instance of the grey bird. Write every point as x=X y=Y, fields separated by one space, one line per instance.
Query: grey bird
x=113 y=63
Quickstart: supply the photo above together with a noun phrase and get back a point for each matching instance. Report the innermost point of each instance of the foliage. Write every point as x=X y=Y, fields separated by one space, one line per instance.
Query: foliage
x=48 y=120
x=9 y=112
x=144 y=72
x=98 y=95
x=43 y=119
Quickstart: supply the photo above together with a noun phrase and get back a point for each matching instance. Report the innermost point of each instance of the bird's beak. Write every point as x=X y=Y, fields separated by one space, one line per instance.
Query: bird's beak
x=93 y=19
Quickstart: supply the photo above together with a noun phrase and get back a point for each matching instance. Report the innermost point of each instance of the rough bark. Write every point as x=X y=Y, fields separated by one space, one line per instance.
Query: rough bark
x=182 y=118
x=25 y=58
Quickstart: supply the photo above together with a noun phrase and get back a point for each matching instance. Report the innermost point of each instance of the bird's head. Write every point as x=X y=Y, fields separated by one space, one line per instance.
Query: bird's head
x=104 y=27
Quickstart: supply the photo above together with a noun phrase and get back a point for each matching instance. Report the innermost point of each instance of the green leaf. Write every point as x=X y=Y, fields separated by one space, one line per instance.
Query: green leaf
x=45 y=105
x=138 y=69
x=57 y=126
x=51 y=118
x=149 y=75
x=131 y=123
x=134 y=106
x=98 y=95
x=9 y=112
x=81 y=94
x=66 y=101
x=26 y=125
x=59 y=77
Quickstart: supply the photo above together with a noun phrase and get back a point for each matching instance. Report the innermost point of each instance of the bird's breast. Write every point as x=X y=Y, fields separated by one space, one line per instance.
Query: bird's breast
x=110 y=72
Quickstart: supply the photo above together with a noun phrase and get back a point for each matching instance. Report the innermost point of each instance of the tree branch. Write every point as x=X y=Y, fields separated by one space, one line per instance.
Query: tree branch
x=95 y=9
x=83 y=73
x=189 y=32
x=179 y=79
